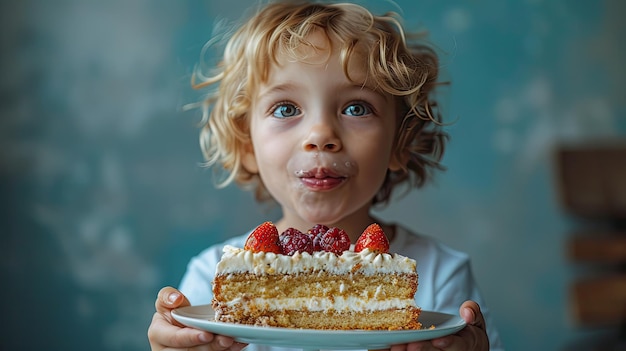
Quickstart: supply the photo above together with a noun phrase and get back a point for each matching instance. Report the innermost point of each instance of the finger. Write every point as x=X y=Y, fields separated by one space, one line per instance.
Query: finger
x=469 y=338
x=162 y=332
x=221 y=342
x=451 y=342
x=170 y=298
x=414 y=346
x=237 y=346
x=471 y=313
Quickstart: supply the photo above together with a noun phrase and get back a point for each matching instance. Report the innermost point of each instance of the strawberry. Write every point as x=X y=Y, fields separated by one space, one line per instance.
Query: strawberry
x=373 y=238
x=263 y=238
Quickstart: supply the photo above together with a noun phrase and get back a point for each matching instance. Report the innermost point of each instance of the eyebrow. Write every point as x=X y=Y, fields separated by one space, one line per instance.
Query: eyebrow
x=291 y=86
x=378 y=92
x=282 y=87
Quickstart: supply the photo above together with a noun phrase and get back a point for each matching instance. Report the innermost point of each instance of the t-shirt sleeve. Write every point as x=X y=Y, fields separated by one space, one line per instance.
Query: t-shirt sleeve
x=455 y=284
x=196 y=282
x=445 y=280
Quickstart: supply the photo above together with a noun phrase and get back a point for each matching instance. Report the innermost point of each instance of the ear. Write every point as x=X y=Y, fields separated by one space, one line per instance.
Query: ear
x=248 y=159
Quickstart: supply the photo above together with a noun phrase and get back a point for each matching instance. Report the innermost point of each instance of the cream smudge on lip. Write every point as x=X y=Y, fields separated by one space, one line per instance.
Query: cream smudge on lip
x=322 y=164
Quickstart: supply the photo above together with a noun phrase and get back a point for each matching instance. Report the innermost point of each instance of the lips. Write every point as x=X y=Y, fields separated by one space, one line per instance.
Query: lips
x=321 y=179
x=323 y=171
x=319 y=173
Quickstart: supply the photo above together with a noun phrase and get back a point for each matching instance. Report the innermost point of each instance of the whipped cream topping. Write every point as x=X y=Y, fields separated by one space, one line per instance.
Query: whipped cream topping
x=238 y=260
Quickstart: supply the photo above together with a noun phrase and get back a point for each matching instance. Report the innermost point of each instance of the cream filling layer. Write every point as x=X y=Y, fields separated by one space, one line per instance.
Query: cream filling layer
x=339 y=303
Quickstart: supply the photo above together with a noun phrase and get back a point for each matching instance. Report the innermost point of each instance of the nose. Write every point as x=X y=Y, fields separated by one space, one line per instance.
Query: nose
x=322 y=137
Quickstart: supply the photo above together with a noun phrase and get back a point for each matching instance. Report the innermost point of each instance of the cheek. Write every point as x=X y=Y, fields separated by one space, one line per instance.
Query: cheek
x=375 y=146
x=373 y=158
x=272 y=153
x=374 y=166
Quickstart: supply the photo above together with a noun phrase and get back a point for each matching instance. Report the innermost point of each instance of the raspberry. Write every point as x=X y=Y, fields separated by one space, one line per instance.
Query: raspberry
x=316 y=233
x=292 y=240
x=335 y=240
x=317 y=229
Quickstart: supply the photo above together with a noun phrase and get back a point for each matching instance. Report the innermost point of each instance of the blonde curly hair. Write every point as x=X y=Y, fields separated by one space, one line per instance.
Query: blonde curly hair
x=407 y=71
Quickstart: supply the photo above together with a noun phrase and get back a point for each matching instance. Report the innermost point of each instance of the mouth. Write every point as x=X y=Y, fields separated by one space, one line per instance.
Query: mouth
x=320 y=178
x=318 y=173
x=322 y=172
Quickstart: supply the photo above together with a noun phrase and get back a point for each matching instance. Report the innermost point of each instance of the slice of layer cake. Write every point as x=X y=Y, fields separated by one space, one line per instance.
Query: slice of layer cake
x=315 y=281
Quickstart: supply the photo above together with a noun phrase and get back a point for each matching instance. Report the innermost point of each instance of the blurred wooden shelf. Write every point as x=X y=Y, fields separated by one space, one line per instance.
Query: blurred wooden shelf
x=599 y=302
x=598 y=248
x=592 y=179
x=591 y=183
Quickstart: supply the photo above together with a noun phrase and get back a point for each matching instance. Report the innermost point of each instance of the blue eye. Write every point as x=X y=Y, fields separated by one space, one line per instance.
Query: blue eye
x=285 y=110
x=357 y=110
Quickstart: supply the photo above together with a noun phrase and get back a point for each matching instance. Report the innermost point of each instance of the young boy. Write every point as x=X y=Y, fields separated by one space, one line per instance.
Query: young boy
x=325 y=109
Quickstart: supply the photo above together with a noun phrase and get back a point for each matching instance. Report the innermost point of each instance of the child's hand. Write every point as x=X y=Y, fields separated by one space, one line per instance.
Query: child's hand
x=165 y=333
x=472 y=337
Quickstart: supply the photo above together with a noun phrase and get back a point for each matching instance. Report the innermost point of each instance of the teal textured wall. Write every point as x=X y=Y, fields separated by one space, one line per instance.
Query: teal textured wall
x=104 y=201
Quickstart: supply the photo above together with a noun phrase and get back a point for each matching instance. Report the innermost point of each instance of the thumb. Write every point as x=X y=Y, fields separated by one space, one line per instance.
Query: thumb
x=470 y=312
x=170 y=298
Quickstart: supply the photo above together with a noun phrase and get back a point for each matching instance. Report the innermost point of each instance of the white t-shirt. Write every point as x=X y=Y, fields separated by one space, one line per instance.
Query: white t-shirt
x=445 y=278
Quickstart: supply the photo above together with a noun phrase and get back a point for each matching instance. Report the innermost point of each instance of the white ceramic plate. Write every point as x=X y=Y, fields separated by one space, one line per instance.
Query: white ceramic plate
x=203 y=317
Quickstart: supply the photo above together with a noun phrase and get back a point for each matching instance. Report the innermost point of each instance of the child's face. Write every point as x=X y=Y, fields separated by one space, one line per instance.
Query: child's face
x=322 y=143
